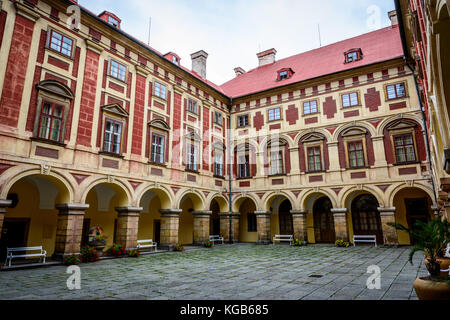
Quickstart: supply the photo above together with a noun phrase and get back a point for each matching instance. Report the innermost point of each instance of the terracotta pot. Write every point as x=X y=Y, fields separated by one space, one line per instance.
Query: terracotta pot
x=426 y=289
x=444 y=265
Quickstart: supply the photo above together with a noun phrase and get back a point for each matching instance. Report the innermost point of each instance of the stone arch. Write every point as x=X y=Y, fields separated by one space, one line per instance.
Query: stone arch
x=198 y=199
x=313 y=195
x=302 y=134
x=390 y=120
x=349 y=194
x=354 y=124
x=267 y=139
x=61 y=182
x=237 y=201
x=117 y=185
x=221 y=200
x=269 y=197
x=392 y=191
x=164 y=194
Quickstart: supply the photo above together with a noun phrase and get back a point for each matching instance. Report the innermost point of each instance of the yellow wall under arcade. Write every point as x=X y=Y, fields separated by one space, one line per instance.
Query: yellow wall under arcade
x=186 y=228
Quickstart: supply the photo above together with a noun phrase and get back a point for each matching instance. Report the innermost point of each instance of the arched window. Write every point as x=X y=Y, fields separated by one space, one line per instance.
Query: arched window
x=114 y=122
x=54 y=99
x=355 y=146
x=314 y=152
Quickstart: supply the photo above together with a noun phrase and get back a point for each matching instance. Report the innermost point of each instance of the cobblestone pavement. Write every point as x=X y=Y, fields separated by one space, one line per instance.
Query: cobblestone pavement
x=230 y=272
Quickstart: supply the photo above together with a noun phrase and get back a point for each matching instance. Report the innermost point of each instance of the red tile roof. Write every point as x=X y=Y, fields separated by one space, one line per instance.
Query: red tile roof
x=377 y=46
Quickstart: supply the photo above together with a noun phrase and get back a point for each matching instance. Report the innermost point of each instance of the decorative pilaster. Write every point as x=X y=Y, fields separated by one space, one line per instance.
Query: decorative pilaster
x=299 y=224
x=263 y=226
x=340 y=223
x=69 y=229
x=127 y=226
x=201 y=226
x=3 y=205
x=170 y=222
x=387 y=214
x=225 y=226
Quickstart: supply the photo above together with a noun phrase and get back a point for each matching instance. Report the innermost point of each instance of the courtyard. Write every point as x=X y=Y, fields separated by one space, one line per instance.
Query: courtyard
x=229 y=272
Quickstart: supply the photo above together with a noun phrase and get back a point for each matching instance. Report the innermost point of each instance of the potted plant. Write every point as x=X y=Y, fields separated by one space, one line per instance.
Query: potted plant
x=89 y=254
x=342 y=243
x=178 y=247
x=432 y=239
x=207 y=244
x=117 y=250
x=71 y=260
x=298 y=243
x=134 y=253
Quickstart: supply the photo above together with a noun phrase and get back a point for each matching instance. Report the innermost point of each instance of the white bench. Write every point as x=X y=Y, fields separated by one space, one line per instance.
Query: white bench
x=282 y=237
x=360 y=238
x=142 y=244
x=21 y=252
x=215 y=238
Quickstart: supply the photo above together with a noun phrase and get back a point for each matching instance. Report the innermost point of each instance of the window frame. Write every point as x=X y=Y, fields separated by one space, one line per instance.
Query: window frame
x=163 y=148
x=194 y=103
x=53 y=104
x=246 y=165
x=63 y=35
x=157 y=83
x=280 y=113
x=363 y=149
x=112 y=22
x=314 y=146
x=310 y=113
x=194 y=166
x=114 y=120
x=119 y=64
x=349 y=96
x=405 y=90
x=218 y=115
x=220 y=152
x=241 y=116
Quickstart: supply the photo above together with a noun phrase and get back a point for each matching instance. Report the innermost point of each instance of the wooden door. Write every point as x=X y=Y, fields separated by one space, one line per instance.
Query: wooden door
x=285 y=218
x=366 y=218
x=324 y=221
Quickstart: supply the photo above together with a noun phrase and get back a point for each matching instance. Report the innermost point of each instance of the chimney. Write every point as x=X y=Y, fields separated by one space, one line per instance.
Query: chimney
x=199 y=63
x=239 y=71
x=393 y=16
x=266 y=57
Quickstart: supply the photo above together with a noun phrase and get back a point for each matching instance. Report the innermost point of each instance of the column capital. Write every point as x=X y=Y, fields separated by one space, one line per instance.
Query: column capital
x=66 y=209
x=178 y=89
x=200 y=213
x=339 y=211
x=26 y=11
x=4 y=203
x=226 y=214
x=262 y=213
x=94 y=46
x=298 y=212
x=129 y=211
x=141 y=71
x=170 y=212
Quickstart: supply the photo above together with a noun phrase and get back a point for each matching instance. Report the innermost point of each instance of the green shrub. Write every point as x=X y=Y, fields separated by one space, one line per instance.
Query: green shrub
x=342 y=243
x=70 y=260
x=133 y=253
x=178 y=247
x=208 y=244
x=89 y=254
x=117 y=250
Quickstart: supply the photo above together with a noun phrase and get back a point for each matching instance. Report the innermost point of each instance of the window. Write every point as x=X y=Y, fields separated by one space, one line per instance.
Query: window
x=113 y=134
x=350 y=99
x=192 y=157
x=112 y=21
x=276 y=162
x=218 y=118
x=314 y=159
x=396 y=91
x=244 y=166
x=243 y=121
x=251 y=222
x=158 y=144
x=51 y=120
x=310 y=107
x=118 y=70
x=175 y=60
x=192 y=106
x=283 y=75
x=218 y=163
x=356 y=154
x=61 y=43
x=353 y=55
x=274 y=114
x=404 y=148
x=160 y=90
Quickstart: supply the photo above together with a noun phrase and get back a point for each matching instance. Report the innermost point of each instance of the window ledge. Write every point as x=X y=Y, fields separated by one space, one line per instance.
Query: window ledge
x=110 y=154
x=122 y=82
x=192 y=171
x=277 y=175
x=357 y=168
x=397 y=99
x=192 y=113
x=315 y=172
x=55 y=143
x=406 y=163
x=164 y=165
x=62 y=55
x=219 y=177
x=244 y=178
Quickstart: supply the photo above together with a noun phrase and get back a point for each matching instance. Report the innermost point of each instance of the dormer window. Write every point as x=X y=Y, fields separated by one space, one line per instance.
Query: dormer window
x=353 y=55
x=285 y=73
x=112 y=21
x=175 y=60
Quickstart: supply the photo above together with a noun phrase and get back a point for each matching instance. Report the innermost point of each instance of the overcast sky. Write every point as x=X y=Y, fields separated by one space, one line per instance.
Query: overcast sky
x=233 y=31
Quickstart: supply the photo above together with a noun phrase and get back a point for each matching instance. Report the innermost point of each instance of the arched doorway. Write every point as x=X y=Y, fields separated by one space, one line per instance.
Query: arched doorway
x=323 y=221
x=365 y=216
x=285 y=218
x=247 y=224
x=214 y=227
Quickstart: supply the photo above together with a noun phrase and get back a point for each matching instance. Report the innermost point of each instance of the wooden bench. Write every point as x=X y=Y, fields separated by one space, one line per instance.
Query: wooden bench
x=21 y=252
x=282 y=237
x=143 y=244
x=215 y=238
x=360 y=238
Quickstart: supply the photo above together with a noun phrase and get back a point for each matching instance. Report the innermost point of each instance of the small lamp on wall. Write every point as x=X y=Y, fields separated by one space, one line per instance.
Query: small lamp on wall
x=447 y=160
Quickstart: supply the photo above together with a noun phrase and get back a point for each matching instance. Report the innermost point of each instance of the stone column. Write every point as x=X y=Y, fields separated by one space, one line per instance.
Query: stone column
x=127 y=226
x=69 y=229
x=340 y=223
x=225 y=226
x=387 y=214
x=263 y=226
x=3 y=205
x=299 y=224
x=170 y=222
x=201 y=226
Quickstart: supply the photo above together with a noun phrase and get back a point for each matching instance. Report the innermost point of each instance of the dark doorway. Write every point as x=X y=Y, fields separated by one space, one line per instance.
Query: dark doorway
x=324 y=221
x=115 y=231
x=366 y=218
x=214 y=228
x=85 y=232
x=416 y=210
x=157 y=231
x=14 y=234
x=285 y=218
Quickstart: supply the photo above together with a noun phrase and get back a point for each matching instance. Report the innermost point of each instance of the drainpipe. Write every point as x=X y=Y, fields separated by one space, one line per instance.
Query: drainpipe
x=405 y=59
x=230 y=207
